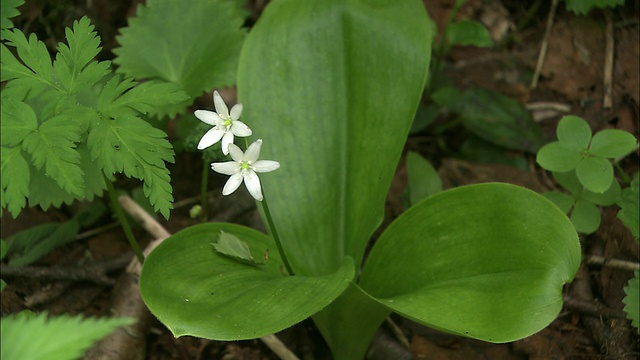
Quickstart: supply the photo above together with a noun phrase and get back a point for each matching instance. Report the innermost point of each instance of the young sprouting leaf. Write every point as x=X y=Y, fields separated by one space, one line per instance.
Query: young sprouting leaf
x=632 y=300
x=132 y=146
x=423 y=178
x=197 y=57
x=582 y=7
x=230 y=245
x=468 y=32
x=8 y=10
x=62 y=337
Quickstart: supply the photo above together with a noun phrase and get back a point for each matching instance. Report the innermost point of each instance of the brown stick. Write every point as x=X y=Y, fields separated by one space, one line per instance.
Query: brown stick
x=616 y=263
x=608 y=61
x=543 y=48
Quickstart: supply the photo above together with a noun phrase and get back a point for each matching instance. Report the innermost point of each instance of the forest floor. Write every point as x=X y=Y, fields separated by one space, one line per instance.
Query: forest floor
x=592 y=324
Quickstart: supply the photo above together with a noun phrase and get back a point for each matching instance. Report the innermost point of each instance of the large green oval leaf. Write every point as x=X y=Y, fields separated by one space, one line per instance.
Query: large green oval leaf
x=196 y=291
x=492 y=261
x=331 y=87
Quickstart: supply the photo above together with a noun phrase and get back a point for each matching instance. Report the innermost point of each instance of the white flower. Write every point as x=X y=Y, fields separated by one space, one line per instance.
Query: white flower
x=225 y=125
x=244 y=167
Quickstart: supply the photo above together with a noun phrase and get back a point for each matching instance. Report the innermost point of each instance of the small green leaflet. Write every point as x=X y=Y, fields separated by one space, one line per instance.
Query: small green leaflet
x=229 y=245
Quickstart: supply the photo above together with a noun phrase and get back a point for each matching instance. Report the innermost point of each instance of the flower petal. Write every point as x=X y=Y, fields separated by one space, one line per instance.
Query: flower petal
x=236 y=154
x=252 y=183
x=253 y=152
x=232 y=184
x=236 y=111
x=263 y=166
x=211 y=137
x=207 y=116
x=238 y=128
x=227 y=139
x=221 y=107
x=227 y=167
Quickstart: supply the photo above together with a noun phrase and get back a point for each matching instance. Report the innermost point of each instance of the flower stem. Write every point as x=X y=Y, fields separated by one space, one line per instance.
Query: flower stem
x=204 y=183
x=274 y=233
x=115 y=204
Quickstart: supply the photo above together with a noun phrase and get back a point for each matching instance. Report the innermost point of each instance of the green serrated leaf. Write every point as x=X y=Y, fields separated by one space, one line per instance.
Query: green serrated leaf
x=557 y=157
x=58 y=338
x=611 y=143
x=18 y=121
x=628 y=203
x=468 y=32
x=8 y=10
x=585 y=217
x=631 y=300
x=230 y=245
x=595 y=173
x=147 y=97
x=573 y=133
x=15 y=180
x=198 y=57
x=74 y=66
x=132 y=146
x=52 y=149
x=37 y=72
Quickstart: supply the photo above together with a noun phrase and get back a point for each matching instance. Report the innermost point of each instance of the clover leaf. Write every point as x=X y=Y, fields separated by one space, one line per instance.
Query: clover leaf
x=589 y=156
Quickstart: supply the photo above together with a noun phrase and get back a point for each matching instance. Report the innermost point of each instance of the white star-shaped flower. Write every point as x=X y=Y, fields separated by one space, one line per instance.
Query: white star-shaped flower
x=244 y=166
x=225 y=125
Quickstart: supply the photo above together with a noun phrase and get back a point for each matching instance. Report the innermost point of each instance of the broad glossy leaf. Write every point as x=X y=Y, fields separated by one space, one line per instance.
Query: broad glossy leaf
x=612 y=143
x=574 y=133
x=492 y=261
x=332 y=87
x=595 y=173
x=557 y=157
x=500 y=120
x=196 y=291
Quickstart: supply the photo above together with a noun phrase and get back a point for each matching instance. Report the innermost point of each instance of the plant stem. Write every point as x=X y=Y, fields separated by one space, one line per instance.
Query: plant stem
x=204 y=183
x=115 y=204
x=274 y=233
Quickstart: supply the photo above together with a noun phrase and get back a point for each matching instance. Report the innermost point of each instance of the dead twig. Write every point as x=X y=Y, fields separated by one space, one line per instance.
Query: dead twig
x=616 y=263
x=543 y=47
x=592 y=308
x=95 y=273
x=608 y=61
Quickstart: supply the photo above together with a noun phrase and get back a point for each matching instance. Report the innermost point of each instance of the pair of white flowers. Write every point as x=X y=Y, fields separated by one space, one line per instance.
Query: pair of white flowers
x=245 y=165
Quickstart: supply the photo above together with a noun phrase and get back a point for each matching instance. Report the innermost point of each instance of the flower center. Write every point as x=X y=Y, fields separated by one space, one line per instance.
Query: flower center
x=245 y=165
